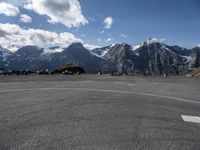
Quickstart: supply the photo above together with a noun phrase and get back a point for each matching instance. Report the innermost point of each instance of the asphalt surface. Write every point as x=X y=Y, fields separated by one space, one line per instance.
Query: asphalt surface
x=98 y=113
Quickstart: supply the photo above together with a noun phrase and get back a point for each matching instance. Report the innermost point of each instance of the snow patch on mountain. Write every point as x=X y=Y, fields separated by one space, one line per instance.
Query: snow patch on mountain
x=189 y=59
x=101 y=52
x=136 y=47
x=166 y=48
x=107 y=50
x=4 y=53
x=94 y=54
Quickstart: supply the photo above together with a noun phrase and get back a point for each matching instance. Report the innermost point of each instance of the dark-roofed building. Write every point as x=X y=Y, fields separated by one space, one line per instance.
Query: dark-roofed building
x=70 y=69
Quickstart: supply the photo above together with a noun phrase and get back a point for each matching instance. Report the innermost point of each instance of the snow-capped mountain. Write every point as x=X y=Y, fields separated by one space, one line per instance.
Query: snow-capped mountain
x=77 y=55
x=152 y=57
x=4 y=54
x=34 y=58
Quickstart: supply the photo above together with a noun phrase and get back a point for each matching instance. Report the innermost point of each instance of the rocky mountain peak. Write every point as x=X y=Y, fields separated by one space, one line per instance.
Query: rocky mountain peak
x=4 y=52
x=77 y=45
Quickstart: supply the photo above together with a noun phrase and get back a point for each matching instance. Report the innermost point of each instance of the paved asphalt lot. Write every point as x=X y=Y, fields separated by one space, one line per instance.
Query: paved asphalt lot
x=98 y=113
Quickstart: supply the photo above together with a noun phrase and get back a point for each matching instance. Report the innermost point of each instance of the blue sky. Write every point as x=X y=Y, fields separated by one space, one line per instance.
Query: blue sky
x=133 y=21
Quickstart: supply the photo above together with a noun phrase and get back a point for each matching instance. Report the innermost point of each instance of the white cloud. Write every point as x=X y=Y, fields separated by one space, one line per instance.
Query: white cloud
x=54 y=50
x=99 y=40
x=83 y=35
x=198 y=45
x=8 y=9
x=123 y=35
x=25 y=18
x=29 y=6
x=153 y=40
x=8 y=29
x=18 y=3
x=108 y=40
x=66 y=12
x=13 y=37
x=90 y=47
x=102 y=32
x=108 y=22
x=91 y=19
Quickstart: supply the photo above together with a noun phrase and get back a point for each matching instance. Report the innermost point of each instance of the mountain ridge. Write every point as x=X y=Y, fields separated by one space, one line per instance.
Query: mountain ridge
x=150 y=57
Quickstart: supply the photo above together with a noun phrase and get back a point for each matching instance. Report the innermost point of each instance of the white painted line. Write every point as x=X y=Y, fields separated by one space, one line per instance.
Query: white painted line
x=193 y=119
x=103 y=90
